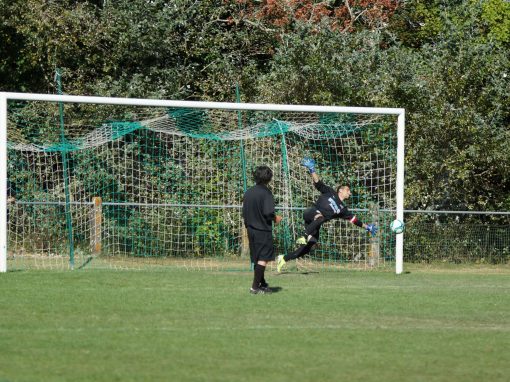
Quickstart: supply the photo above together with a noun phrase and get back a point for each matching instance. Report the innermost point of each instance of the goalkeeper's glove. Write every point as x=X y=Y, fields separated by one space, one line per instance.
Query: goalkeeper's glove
x=309 y=163
x=372 y=229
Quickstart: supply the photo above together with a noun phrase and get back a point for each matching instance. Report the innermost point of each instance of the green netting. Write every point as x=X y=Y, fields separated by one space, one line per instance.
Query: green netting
x=152 y=186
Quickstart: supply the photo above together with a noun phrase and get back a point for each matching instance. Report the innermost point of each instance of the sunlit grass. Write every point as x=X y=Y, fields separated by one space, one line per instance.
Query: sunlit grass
x=175 y=325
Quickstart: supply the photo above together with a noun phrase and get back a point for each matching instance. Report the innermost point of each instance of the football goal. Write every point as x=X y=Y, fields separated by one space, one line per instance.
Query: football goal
x=91 y=182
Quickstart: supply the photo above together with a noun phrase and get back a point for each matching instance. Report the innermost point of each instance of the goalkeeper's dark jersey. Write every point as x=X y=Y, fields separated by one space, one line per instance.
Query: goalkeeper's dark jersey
x=330 y=205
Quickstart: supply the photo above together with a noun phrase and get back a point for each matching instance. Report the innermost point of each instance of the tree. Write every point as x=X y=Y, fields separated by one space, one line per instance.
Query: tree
x=427 y=22
x=346 y=15
x=496 y=15
x=183 y=49
x=18 y=72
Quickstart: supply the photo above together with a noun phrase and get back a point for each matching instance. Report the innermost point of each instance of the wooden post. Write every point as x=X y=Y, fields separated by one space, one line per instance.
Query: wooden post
x=245 y=245
x=96 y=221
x=374 y=256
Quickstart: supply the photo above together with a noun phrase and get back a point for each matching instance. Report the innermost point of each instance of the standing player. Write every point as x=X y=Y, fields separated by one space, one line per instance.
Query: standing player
x=330 y=205
x=259 y=215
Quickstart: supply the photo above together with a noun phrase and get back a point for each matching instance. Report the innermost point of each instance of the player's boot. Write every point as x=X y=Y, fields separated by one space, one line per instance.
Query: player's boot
x=306 y=240
x=280 y=262
x=259 y=291
x=301 y=240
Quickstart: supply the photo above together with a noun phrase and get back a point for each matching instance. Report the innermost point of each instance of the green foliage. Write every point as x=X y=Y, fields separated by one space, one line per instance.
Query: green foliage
x=428 y=22
x=135 y=48
x=455 y=91
x=418 y=22
x=496 y=14
x=456 y=133
x=324 y=67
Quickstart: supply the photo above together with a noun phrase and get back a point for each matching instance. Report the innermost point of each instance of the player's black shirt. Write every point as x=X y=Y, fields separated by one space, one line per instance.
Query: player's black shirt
x=330 y=205
x=258 y=208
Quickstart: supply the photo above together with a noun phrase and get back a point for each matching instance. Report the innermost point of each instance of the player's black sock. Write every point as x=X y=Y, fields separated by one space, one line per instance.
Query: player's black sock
x=263 y=282
x=258 y=275
x=301 y=251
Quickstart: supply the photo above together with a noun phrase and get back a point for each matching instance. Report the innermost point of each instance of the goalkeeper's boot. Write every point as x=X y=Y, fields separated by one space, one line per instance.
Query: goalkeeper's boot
x=301 y=240
x=280 y=262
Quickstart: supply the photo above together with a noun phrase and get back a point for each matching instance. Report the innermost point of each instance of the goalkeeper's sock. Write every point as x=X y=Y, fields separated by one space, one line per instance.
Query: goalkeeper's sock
x=280 y=262
x=258 y=275
x=301 y=251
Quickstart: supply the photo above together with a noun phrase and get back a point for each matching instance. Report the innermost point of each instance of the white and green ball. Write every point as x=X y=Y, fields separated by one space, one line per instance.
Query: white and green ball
x=397 y=226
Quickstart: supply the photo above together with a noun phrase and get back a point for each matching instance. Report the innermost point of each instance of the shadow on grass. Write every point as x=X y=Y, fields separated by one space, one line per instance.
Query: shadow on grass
x=296 y=273
x=276 y=289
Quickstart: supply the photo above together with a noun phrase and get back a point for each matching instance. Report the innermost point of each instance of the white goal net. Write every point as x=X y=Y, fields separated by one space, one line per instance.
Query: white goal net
x=103 y=182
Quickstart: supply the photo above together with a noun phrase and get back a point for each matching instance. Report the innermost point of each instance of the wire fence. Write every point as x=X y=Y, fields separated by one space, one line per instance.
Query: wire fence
x=457 y=237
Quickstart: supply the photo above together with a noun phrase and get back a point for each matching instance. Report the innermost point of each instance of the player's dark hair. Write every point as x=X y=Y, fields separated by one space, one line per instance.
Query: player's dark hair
x=262 y=174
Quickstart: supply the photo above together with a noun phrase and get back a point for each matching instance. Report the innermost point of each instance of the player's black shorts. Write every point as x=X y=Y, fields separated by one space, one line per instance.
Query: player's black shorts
x=261 y=245
x=311 y=226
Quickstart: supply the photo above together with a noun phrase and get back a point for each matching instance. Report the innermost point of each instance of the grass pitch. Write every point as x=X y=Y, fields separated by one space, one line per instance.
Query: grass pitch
x=177 y=325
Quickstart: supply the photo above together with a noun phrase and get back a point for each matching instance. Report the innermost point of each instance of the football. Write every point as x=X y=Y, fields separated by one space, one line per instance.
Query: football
x=397 y=226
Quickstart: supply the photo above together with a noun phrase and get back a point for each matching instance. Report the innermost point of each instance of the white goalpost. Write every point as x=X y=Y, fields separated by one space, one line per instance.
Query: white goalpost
x=157 y=180
x=3 y=182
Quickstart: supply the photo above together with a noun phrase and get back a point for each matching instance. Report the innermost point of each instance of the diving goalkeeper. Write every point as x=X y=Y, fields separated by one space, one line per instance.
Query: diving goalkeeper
x=330 y=205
